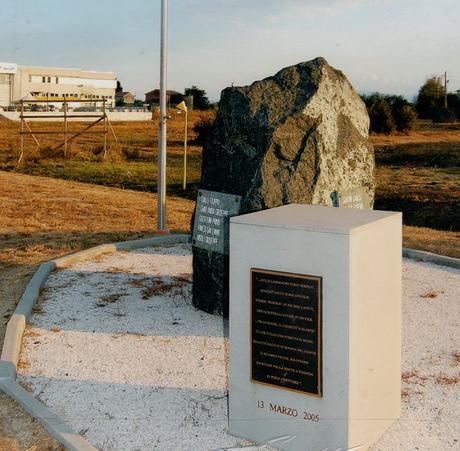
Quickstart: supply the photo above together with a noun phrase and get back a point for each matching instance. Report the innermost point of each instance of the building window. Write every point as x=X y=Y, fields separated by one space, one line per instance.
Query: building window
x=5 y=79
x=49 y=79
x=43 y=79
x=57 y=80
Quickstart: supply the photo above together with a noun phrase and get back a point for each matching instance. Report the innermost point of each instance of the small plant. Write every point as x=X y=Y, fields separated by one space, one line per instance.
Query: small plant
x=431 y=294
x=444 y=379
x=159 y=286
x=130 y=153
x=456 y=358
x=111 y=298
x=97 y=150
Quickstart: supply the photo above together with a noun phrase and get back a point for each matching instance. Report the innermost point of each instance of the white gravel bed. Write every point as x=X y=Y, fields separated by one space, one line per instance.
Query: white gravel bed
x=117 y=349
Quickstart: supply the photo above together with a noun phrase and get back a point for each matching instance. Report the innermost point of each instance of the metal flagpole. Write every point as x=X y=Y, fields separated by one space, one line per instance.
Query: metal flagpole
x=163 y=117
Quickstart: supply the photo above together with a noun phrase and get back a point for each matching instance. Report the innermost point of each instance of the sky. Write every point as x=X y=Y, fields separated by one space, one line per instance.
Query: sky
x=390 y=46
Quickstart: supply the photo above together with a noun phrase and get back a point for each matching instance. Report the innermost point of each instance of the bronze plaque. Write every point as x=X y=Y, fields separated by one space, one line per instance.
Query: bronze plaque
x=286 y=331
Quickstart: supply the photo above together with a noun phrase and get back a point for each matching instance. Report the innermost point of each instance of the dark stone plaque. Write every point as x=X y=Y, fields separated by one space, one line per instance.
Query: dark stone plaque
x=286 y=331
x=212 y=216
x=353 y=198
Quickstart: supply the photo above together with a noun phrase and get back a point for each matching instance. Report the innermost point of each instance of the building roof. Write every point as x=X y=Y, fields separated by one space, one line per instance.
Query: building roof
x=62 y=71
x=157 y=91
x=8 y=68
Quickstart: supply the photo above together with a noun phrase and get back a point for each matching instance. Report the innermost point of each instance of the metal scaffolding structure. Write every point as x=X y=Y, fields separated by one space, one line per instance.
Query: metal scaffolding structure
x=100 y=117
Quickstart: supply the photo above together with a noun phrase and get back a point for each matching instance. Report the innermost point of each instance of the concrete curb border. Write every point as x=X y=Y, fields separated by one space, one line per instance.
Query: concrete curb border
x=429 y=257
x=55 y=425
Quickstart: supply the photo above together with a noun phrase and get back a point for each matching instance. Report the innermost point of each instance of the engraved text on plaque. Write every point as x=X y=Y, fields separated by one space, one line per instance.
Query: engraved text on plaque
x=286 y=331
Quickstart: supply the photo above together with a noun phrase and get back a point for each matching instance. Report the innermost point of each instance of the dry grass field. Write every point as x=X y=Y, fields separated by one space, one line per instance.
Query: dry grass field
x=45 y=217
x=417 y=173
x=137 y=140
x=425 y=134
x=423 y=181
x=130 y=163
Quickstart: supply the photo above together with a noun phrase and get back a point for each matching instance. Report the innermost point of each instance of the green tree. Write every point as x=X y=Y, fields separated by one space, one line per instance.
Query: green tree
x=381 y=117
x=430 y=99
x=404 y=115
x=369 y=100
x=119 y=95
x=453 y=100
x=200 y=99
x=389 y=113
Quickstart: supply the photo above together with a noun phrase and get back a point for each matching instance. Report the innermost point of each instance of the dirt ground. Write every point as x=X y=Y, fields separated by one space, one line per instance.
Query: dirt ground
x=43 y=218
x=21 y=432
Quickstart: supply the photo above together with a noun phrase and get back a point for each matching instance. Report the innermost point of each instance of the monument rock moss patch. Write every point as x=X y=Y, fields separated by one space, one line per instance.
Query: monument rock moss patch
x=295 y=137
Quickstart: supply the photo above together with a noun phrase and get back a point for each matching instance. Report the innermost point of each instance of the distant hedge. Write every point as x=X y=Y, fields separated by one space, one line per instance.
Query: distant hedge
x=389 y=113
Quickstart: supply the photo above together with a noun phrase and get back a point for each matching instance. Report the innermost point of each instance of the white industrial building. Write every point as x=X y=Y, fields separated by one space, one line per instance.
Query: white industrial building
x=51 y=84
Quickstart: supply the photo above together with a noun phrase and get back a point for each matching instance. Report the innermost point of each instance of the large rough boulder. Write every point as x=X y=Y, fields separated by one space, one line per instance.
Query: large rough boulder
x=295 y=137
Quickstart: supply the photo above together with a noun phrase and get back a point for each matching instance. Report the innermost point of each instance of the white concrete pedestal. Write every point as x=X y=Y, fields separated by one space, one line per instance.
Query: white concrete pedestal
x=357 y=256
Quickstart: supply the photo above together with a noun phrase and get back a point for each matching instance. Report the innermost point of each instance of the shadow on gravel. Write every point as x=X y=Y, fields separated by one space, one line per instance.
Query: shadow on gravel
x=131 y=416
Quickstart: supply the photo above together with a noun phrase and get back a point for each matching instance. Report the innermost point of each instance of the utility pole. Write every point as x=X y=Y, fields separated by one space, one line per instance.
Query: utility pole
x=163 y=118
x=445 y=89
